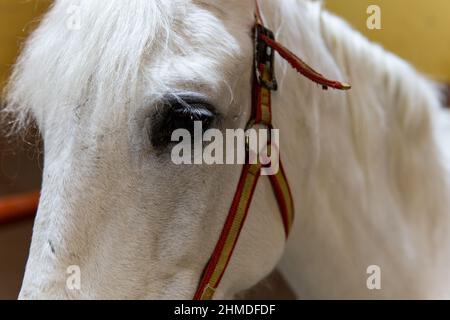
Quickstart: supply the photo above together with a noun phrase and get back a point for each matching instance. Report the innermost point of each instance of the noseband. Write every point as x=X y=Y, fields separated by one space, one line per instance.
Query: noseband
x=264 y=82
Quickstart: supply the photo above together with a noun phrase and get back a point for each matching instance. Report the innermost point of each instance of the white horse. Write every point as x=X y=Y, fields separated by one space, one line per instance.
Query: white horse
x=366 y=167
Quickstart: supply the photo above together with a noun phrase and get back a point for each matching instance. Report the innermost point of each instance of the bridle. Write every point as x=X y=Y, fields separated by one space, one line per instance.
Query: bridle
x=264 y=82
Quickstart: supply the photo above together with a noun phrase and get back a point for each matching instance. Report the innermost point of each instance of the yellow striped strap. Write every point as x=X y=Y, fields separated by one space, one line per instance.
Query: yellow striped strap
x=216 y=266
x=223 y=251
x=283 y=194
x=263 y=100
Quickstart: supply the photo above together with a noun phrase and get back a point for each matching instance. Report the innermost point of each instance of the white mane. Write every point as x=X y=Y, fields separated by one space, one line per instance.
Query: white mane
x=388 y=189
x=103 y=61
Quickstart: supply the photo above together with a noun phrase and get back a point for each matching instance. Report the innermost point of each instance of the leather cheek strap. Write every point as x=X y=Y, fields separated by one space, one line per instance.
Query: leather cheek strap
x=264 y=83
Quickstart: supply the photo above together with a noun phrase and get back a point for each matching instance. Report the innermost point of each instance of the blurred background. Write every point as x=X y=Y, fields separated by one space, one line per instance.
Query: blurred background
x=416 y=30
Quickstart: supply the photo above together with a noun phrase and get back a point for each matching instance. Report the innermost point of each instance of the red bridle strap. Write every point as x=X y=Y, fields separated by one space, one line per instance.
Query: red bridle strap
x=298 y=64
x=263 y=84
x=224 y=248
x=301 y=66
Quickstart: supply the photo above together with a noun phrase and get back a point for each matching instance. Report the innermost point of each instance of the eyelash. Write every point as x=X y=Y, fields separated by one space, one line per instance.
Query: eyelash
x=179 y=114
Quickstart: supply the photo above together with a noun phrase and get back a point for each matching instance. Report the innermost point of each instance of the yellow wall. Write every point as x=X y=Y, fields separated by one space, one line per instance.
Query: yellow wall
x=417 y=30
x=17 y=19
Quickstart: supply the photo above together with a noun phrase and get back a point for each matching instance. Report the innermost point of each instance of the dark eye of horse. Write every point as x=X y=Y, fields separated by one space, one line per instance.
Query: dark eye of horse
x=179 y=113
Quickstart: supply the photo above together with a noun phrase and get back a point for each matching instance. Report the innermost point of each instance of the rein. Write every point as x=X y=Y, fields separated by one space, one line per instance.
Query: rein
x=264 y=82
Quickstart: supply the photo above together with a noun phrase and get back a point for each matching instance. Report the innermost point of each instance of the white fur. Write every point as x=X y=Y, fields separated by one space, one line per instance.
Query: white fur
x=365 y=167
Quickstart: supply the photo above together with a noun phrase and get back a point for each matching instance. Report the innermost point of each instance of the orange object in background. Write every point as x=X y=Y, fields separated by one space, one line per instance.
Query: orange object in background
x=18 y=207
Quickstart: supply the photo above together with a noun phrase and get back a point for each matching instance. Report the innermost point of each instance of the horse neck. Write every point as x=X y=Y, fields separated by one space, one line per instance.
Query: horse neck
x=365 y=171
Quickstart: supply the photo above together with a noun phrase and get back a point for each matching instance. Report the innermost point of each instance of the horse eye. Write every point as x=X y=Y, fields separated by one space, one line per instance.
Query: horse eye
x=179 y=114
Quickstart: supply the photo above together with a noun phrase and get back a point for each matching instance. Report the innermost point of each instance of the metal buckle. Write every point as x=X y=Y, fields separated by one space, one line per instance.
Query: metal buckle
x=253 y=125
x=264 y=55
